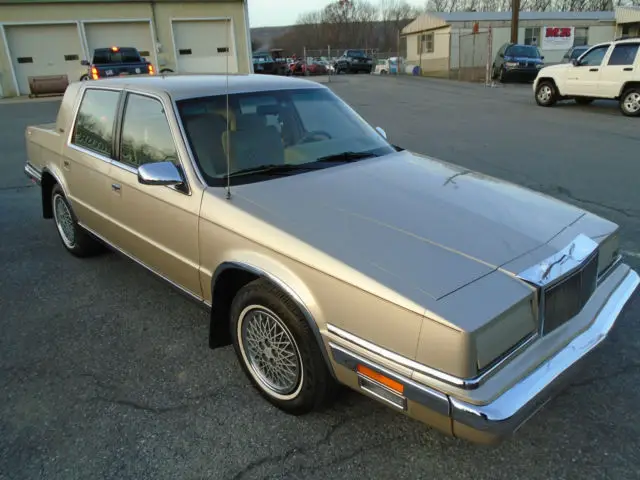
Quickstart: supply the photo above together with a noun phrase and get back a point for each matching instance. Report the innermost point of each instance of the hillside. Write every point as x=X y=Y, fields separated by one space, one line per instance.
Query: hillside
x=262 y=38
x=381 y=35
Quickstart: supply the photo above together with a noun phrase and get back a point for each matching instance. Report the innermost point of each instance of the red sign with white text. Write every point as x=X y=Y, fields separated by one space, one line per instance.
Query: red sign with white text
x=557 y=38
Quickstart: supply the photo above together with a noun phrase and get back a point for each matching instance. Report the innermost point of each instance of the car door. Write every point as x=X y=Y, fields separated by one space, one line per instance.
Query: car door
x=499 y=60
x=618 y=68
x=157 y=225
x=87 y=156
x=583 y=78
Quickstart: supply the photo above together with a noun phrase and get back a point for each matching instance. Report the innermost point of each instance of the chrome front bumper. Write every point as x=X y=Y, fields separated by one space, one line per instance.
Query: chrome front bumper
x=492 y=422
x=33 y=173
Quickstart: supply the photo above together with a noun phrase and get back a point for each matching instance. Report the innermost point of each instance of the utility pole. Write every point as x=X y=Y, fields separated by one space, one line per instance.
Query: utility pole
x=515 y=16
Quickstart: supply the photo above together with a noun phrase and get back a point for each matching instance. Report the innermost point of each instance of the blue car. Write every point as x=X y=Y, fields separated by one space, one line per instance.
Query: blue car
x=515 y=61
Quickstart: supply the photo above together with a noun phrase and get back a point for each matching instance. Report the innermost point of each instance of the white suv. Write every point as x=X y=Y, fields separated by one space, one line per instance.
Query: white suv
x=607 y=70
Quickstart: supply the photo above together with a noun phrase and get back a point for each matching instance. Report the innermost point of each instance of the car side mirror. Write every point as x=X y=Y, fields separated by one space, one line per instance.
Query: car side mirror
x=574 y=62
x=382 y=133
x=84 y=62
x=501 y=55
x=542 y=57
x=159 y=173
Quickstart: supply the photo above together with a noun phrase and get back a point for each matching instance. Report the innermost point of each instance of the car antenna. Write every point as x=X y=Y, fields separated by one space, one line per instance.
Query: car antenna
x=227 y=99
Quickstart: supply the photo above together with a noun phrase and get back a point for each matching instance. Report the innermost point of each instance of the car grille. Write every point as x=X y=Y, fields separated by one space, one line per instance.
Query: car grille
x=564 y=300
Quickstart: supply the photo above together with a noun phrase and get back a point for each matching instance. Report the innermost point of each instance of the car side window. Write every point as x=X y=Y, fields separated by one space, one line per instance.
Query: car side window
x=594 y=57
x=93 y=130
x=624 y=54
x=146 y=136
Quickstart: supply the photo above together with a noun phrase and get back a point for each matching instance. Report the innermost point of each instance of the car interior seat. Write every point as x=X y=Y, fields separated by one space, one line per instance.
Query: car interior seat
x=205 y=131
x=253 y=142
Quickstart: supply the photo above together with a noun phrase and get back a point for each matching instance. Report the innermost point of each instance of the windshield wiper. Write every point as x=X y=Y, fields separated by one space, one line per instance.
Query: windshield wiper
x=273 y=169
x=346 y=157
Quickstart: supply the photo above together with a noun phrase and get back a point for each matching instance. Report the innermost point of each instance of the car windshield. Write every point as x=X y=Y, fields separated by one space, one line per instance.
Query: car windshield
x=578 y=51
x=106 y=56
x=528 y=51
x=303 y=129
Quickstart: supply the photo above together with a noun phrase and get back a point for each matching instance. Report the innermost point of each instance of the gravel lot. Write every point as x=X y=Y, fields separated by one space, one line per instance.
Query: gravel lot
x=106 y=371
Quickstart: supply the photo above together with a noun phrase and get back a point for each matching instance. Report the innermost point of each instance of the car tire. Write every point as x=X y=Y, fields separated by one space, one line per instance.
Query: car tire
x=630 y=102
x=546 y=94
x=74 y=238
x=584 y=100
x=502 y=78
x=261 y=312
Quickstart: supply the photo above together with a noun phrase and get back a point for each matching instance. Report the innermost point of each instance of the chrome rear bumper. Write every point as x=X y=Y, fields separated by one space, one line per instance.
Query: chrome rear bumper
x=494 y=421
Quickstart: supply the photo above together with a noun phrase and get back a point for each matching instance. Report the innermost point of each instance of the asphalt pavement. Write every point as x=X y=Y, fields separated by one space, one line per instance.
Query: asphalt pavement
x=106 y=372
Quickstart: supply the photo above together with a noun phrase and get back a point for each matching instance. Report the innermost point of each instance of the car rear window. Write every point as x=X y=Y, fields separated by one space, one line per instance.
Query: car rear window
x=528 y=51
x=124 y=55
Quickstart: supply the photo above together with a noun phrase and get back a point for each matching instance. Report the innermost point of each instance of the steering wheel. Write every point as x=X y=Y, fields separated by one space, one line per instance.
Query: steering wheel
x=312 y=136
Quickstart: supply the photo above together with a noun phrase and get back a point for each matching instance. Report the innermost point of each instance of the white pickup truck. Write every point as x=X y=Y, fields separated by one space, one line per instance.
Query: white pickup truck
x=608 y=70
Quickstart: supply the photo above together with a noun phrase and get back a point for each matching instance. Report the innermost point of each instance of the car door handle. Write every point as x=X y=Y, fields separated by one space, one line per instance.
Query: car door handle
x=593 y=69
x=628 y=69
x=115 y=187
x=65 y=164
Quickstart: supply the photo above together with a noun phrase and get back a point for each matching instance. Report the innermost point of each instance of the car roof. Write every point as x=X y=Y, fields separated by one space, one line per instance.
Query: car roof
x=619 y=40
x=183 y=86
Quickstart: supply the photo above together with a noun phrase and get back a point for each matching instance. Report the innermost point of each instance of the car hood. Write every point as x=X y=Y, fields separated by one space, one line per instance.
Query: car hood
x=406 y=221
x=558 y=66
x=523 y=59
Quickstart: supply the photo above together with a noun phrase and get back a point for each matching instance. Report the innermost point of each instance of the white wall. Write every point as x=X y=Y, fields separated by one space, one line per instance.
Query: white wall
x=501 y=35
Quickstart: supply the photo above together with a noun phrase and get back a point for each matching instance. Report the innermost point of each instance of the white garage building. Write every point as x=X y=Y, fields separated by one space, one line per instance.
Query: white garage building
x=51 y=38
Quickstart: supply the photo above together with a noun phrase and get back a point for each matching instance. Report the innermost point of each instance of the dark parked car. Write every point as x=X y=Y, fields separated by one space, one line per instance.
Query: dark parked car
x=574 y=52
x=116 y=62
x=516 y=61
x=270 y=63
x=354 y=61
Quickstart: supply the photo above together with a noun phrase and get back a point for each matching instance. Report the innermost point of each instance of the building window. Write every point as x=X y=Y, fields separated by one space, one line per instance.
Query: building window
x=532 y=36
x=580 y=36
x=425 y=44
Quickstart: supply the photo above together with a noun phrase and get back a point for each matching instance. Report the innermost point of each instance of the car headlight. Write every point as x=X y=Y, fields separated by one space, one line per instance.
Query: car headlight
x=511 y=64
x=540 y=65
x=609 y=250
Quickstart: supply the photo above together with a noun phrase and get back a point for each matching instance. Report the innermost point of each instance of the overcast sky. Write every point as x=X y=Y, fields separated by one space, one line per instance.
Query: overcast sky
x=272 y=13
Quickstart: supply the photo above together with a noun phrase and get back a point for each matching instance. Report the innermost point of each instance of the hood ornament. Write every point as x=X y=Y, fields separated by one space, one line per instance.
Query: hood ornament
x=560 y=263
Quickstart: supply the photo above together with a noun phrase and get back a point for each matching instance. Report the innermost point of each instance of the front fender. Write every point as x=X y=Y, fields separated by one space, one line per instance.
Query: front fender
x=280 y=275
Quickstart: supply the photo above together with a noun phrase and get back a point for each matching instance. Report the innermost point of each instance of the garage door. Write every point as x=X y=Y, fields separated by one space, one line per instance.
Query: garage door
x=202 y=46
x=44 y=50
x=121 y=34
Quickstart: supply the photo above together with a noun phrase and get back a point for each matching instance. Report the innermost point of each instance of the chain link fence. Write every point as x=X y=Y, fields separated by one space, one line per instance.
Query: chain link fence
x=332 y=54
x=457 y=55
x=460 y=54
